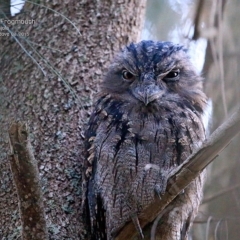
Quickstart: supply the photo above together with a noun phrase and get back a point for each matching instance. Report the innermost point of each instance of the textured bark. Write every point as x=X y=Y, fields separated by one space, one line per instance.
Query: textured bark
x=57 y=109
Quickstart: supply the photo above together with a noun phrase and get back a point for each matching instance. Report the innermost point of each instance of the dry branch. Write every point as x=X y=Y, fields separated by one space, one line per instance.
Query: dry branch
x=211 y=54
x=220 y=193
x=26 y=178
x=197 y=22
x=188 y=171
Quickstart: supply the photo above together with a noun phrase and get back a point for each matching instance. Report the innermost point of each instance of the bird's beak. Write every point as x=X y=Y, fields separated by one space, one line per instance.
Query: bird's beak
x=146 y=97
x=148 y=93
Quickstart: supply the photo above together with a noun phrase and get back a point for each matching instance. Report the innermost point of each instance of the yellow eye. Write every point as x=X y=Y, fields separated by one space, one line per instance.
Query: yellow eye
x=128 y=75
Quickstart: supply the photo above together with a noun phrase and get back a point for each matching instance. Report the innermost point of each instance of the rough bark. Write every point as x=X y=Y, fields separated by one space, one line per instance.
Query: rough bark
x=56 y=107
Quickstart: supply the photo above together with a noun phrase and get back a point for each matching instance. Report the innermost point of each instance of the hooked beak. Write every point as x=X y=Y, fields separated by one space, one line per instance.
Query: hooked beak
x=147 y=94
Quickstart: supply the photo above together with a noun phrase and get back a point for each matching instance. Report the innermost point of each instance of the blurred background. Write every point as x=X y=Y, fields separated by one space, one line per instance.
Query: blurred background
x=210 y=29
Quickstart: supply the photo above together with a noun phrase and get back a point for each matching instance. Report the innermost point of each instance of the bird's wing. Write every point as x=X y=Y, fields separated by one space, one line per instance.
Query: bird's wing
x=93 y=207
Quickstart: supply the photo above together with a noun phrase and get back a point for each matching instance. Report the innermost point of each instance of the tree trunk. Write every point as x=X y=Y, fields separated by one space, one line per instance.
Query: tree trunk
x=49 y=75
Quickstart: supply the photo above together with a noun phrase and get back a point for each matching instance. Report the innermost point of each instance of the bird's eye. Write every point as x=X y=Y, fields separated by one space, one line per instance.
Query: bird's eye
x=127 y=75
x=172 y=75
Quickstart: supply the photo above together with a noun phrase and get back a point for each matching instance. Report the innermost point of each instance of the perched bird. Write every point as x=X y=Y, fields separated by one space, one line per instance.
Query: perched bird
x=147 y=121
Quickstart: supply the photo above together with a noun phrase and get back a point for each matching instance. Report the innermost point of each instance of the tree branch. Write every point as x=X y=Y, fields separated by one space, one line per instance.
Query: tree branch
x=26 y=178
x=211 y=54
x=220 y=193
x=200 y=8
x=188 y=171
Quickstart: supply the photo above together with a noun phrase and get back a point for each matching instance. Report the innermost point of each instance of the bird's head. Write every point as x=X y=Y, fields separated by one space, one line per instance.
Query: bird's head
x=153 y=72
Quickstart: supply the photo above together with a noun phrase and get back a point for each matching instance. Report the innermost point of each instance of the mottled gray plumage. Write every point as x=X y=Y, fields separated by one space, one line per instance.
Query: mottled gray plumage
x=147 y=121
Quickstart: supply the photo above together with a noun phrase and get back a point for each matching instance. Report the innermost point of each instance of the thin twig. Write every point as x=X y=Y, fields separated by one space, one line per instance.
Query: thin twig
x=208 y=227
x=206 y=200
x=23 y=48
x=220 y=52
x=216 y=229
x=5 y=6
x=215 y=220
x=52 y=10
